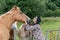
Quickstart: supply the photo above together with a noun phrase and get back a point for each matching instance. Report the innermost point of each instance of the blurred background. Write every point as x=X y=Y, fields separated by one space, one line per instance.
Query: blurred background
x=49 y=10
x=44 y=8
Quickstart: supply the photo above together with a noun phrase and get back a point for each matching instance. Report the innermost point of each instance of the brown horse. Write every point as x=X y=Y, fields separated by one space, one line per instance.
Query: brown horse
x=7 y=19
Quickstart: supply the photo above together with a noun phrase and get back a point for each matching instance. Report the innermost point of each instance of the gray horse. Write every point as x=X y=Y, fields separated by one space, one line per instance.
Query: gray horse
x=30 y=29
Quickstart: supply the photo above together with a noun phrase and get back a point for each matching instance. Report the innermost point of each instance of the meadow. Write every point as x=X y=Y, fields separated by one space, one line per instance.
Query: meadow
x=51 y=23
x=48 y=23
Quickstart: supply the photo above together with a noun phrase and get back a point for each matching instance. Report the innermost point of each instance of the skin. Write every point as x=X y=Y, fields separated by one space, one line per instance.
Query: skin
x=7 y=19
x=34 y=20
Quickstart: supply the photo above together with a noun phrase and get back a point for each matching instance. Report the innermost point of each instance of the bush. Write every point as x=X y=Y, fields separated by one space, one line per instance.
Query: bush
x=29 y=7
x=56 y=13
x=32 y=8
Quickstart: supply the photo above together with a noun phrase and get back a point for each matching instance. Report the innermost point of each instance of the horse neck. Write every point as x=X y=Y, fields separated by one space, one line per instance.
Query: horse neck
x=8 y=21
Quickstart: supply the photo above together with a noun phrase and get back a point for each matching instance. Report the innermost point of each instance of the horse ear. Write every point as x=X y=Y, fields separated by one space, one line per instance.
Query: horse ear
x=14 y=8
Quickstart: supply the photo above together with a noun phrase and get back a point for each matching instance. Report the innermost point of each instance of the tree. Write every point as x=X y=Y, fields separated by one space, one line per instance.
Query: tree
x=29 y=7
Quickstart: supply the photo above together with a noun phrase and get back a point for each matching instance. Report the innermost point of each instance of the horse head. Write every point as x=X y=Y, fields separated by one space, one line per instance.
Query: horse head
x=18 y=15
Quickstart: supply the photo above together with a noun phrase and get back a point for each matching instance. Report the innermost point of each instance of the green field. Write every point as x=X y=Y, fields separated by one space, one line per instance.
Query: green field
x=49 y=23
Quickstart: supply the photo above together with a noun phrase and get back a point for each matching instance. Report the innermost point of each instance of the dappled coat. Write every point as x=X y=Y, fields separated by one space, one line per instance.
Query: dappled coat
x=22 y=33
x=36 y=31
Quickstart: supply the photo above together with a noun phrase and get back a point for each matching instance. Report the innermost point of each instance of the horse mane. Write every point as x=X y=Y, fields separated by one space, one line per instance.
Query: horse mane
x=9 y=12
x=3 y=15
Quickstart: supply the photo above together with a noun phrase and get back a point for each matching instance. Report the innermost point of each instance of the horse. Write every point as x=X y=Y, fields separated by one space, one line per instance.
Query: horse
x=7 y=19
x=13 y=31
x=23 y=33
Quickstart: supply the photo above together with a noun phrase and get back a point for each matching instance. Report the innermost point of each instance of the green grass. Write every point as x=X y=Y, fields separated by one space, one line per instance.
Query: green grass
x=49 y=26
x=48 y=23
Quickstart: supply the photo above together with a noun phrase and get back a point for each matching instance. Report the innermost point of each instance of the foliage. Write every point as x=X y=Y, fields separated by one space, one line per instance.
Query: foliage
x=53 y=8
x=32 y=8
x=29 y=7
